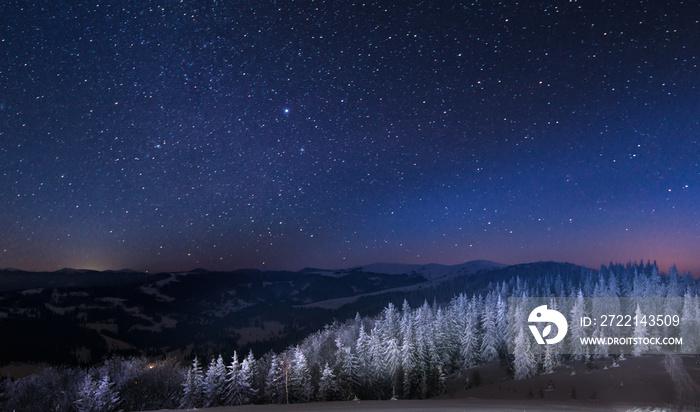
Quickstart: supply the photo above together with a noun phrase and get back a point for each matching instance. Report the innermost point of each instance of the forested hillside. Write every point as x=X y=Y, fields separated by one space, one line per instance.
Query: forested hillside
x=405 y=352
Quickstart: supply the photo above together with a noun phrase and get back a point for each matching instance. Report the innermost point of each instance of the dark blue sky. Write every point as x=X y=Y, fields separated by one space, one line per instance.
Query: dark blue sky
x=168 y=135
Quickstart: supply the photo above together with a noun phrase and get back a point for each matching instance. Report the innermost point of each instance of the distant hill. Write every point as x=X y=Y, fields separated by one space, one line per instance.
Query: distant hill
x=80 y=316
x=433 y=270
x=17 y=280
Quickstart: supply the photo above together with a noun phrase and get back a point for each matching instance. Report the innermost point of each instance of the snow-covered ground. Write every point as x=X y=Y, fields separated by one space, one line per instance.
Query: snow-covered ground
x=638 y=384
x=441 y=405
x=687 y=391
x=429 y=271
x=153 y=291
x=434 y=273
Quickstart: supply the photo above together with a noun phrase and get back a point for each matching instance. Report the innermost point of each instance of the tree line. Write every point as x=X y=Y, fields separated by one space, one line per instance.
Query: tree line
x=403 y=352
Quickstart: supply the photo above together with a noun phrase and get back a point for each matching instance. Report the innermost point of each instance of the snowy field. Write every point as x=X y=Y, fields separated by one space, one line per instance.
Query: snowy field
x=639 y=384
x=437 y=405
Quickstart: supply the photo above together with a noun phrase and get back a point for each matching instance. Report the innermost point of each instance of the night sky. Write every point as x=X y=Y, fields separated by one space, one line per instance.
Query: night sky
x=170 y=135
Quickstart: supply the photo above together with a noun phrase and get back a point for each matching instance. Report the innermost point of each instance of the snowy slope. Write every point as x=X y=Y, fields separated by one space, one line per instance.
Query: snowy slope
x=431 y=270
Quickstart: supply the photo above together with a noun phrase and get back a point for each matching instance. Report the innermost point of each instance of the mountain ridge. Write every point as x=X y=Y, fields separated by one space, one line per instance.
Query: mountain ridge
x=37 y=279
x=56 y=319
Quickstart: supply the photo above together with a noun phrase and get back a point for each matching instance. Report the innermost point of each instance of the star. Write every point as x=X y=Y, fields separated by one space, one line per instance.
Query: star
x=414 y=124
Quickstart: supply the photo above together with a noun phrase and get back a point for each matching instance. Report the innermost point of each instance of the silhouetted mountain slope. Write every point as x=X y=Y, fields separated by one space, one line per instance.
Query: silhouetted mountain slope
x=75 y=316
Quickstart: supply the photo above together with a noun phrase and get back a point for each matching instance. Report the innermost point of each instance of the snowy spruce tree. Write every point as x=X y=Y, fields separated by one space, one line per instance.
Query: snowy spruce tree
x=300 y=387
x=409 y=363
x=689 y=322
x=328 y=389
x=524 y=363
x=365 y=371
x=86 y=395
x=469 y=341
x=549 y=361
x=249 y=374
x=107 y=396
x=491 y=341
x=97 y=395
x=193 y=387
x=346 y=365
x=576 y=331
x=639 y=333
x=501 y=323
x=237 y=385
x=276 y=381
x=215 y=383
x=392 y=364
x=445 y=338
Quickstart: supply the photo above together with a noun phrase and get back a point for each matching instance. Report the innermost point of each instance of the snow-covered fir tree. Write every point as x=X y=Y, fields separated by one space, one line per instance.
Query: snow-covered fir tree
x=193 y=387
x=346 y=365
x=524 y=363
x=689 y=322
x=409 y=362
x=639 y=333
x=490 y=341
x=238 y=389
x=392 y=363
x=300 y=385
x=215 y=383
x=328 y=388
x=502 y=323
x=249 y=373
x=275 y=381
x=97 y=395
x=549 y=360
x=576 y=331
x=469 y=340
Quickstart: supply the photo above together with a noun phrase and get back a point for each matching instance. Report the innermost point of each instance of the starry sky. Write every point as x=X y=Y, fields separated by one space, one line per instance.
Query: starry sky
x=169 y=135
